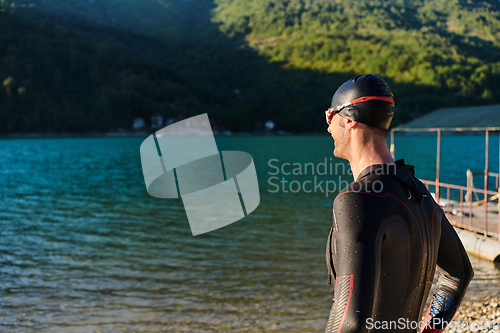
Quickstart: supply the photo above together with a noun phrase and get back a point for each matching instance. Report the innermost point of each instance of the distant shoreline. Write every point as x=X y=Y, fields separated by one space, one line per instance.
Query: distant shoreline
x=142 y=134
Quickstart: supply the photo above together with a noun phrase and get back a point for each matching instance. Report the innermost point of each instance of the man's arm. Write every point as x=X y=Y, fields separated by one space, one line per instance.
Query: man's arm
x=355 y=270
x=455 y=274
x=358 y=245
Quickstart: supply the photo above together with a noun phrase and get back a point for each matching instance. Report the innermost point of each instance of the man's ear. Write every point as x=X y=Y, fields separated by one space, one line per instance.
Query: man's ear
x=351 y=124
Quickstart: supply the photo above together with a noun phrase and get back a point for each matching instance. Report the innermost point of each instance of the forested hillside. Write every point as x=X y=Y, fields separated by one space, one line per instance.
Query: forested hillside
x=450 y=44
x=94 y=65
x=55 y=79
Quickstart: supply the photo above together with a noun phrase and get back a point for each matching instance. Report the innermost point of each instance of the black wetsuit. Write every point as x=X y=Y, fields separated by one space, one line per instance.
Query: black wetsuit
x=388 y=235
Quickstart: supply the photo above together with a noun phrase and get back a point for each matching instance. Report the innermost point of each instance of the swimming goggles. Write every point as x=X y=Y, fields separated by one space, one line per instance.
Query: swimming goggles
x=331 y=111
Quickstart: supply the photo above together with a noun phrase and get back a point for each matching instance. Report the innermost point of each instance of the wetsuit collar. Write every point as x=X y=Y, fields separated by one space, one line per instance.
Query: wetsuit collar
x=400 y=171
x=378 y=169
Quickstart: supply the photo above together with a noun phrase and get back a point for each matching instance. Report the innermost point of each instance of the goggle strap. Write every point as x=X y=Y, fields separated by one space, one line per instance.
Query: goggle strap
x=364 y=99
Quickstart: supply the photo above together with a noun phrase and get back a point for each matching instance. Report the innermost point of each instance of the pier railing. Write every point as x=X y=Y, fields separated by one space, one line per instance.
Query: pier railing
x=481 y=217
x=467 y=214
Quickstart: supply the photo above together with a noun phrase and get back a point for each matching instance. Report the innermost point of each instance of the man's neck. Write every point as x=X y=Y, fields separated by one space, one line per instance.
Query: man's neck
x=369 y=153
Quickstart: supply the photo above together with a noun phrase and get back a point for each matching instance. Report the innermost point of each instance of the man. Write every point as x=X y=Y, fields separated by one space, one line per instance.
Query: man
x=388 y=233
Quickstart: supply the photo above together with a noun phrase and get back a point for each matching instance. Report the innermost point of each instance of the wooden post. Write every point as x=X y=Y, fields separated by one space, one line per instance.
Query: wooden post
x=438 y=163
x=448 y=199
x=486 y=184
x=393 y=148
x=462 y=206
x=469 y=194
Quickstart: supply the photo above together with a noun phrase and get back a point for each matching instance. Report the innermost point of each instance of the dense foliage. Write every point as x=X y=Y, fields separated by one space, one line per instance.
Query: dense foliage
x=442 y=43
x=70 y=65
x=54 y=79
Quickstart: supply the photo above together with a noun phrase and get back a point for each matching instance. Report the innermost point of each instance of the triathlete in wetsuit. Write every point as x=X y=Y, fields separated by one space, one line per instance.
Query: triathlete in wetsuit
x=388 y=233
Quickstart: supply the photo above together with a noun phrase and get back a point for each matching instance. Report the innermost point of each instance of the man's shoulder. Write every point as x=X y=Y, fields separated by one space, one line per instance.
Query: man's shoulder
x=368 y=185
x=381 y=179
x=367 y=194
x=363 y=205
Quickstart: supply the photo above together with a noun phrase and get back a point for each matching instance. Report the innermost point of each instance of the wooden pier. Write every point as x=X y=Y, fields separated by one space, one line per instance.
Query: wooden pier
x=477 y=222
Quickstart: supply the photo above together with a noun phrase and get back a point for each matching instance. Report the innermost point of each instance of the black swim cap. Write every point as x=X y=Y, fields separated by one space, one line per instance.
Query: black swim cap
x=366 y=99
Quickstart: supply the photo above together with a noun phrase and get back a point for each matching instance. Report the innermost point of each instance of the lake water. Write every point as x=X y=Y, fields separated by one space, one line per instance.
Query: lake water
x=84 y=248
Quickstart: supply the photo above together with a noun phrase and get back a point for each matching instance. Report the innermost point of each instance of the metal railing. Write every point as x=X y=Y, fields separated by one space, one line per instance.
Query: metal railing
x=462 y=213
x=497 y=178
x=473 y=224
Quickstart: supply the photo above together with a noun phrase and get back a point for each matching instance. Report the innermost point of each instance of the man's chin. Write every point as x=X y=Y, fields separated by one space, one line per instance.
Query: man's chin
x=339 y=154
x=336 y=153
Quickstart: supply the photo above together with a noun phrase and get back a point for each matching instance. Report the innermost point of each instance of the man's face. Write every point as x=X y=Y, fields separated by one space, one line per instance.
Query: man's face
x=337 y=130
